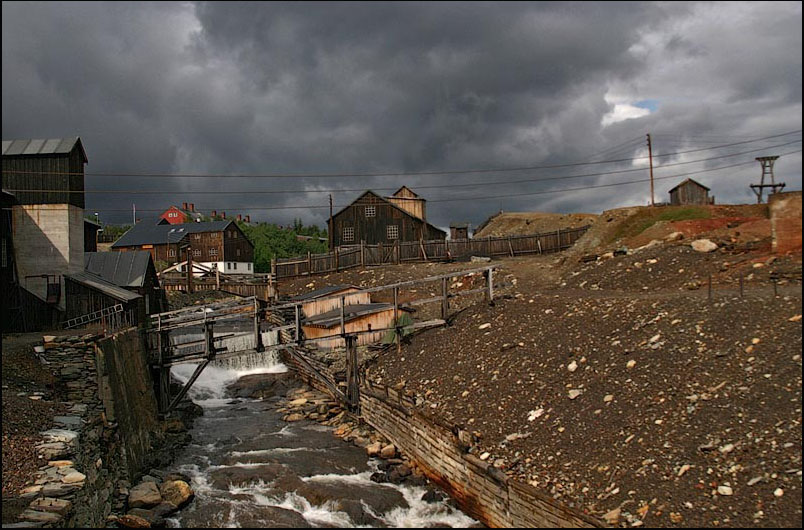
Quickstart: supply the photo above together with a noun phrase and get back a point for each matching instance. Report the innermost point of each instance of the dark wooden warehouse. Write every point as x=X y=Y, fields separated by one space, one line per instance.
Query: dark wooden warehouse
x=373 y=219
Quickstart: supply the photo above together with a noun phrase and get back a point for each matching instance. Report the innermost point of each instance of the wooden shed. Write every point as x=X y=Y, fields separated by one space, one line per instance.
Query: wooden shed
x=690 y=192
x=459 y=231
x=356 y=318
x=313 y=304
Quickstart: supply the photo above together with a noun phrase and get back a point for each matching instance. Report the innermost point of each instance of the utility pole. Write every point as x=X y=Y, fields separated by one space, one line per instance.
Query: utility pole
x=650 y=157
x=767 y=171
x=329 y=224
x=134 y=213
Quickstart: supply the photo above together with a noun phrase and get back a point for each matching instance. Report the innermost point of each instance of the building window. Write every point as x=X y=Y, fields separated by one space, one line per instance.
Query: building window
x=392 y=231
x=349 y=233
x=235 y=266
x=228 y=266
x=172 y=253
x=213 y=253
x=196 y=252
x=196 y=236
x=371 y=211
x=238 y=253
x=249 y=266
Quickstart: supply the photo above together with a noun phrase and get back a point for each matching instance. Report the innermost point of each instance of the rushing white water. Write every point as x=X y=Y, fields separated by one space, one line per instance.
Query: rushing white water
x=246 y=436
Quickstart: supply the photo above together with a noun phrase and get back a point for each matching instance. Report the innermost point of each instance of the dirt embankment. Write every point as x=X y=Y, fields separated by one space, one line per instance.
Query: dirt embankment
x=524 y=223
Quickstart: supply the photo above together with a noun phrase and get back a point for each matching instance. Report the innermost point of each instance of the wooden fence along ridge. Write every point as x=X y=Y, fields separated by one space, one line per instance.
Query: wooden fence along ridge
x=421 y=251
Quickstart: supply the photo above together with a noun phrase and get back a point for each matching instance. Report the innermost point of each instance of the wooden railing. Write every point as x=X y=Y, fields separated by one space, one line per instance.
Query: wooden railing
x=343 y=258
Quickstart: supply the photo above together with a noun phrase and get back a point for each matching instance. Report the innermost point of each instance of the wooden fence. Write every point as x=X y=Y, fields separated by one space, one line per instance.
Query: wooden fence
x=343 y=258
x=263 y=290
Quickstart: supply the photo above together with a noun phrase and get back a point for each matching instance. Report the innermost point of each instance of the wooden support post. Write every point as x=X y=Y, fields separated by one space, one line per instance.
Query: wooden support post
x=273 y=269
x=217 y=278
x=396 y=321
x=352 y=373
x=490 y=286
x=362 y=253
x=510 y=247
x=189 y=270
x=397 y=250
x=343 y=316
x=337 y=260
x=444 y=299
x=187 y=385
x=297 y=337
x=257 y=334
x=309 y=262
x=209 y=341
x=558 y=236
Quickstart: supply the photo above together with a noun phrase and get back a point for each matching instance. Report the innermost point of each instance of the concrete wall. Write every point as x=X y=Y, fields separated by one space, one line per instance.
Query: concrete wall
x=785 y=216
x=48 y=239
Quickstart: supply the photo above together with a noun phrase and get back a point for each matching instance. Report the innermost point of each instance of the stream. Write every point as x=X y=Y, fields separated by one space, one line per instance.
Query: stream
x=251 y=469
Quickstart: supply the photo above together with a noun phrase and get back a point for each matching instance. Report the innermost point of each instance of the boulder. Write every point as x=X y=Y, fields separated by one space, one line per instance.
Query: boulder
x=133 y=521
x=703 y=245
x=389 y=451
x=144 y=495
x=177 y=492
x=374 y=449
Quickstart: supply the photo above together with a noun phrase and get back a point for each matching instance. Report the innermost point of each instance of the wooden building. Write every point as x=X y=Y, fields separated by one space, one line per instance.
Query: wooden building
x=459 y=231
x=133 y=271
x=46 y=178
x=313 y=305
x=176 y=216
x=356 y=318
x=213 y=244
x=690 y=192
x=373 y=219
x=88 y=293
x=91 y=229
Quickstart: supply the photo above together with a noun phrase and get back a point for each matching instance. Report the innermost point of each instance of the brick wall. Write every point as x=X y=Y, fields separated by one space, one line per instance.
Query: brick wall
x=785 y=215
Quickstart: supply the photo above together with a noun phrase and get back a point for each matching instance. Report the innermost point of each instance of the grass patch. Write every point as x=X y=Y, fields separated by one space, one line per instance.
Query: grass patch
x=650 y=216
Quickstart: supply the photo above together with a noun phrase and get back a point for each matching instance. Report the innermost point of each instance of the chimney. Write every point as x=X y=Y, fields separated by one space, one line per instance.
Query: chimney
x=184 y=206
x=223 y=215
x=248 y=218
x=192 y=207
x=214 y=213
x=239 y=217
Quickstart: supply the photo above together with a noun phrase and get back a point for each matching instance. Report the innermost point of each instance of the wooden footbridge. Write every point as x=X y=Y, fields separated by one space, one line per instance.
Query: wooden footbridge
x=238 y=328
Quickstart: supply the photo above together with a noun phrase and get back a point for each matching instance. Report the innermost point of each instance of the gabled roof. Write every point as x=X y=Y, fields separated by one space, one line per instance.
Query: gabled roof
x=367 y=192
x=689 y=181
x=406 y=193
x=92 y=281
x=124 y=269
x=459 y=225
x=52 y=146
x=324 y=291
x=150 y=233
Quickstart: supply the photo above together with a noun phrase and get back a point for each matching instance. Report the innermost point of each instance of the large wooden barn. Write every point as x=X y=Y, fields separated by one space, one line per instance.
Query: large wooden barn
x=373 y=219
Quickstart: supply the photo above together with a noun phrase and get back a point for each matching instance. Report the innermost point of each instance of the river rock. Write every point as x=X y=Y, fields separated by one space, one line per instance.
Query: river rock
x=133 y=521
x=74 y=477
x=154 y=519
x=177 y=492
x=379 y=499
x=260 y=386
x=49 y=504
x=389 y=451
x=294 y=417
x=144 y=495
x=374 y=449
x=35 y=516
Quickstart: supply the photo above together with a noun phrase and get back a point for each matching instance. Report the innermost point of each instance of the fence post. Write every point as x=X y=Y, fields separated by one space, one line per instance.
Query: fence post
x=343 y=316
x=396 y=321
x=558 y=234
x=352 y=374
x=397 y=248
x=510 y=246
x=273 y=268
x=490 y=286
x=298 y=326
x=257 y=335
x=362 y=253
x=309 y=262
x=444 y=301
x=336 y=259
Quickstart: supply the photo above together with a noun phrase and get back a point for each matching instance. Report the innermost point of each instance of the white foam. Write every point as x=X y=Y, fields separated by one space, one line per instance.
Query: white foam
x=210 y=387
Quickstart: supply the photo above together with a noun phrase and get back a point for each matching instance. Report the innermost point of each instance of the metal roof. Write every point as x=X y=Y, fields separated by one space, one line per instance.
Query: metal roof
x=92 y=281
x=124 y=269
x=150 y=233
x=52 y=146
x=351 y=312
x=324 y=291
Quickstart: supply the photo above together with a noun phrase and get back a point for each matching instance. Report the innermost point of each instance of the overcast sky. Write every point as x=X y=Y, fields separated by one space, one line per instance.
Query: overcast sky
x=257 y=89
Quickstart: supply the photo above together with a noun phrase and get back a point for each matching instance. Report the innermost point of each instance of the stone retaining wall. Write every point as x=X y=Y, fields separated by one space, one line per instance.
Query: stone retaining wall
x=441 y=450
x=90 y=455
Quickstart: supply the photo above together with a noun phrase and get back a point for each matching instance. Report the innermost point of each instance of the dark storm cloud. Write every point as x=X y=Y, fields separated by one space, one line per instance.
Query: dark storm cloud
x=258 y=88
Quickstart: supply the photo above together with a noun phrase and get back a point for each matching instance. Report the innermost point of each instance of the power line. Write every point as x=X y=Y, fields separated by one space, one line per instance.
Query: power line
x=477 y=198
x=398 y=174
x=430 y=186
